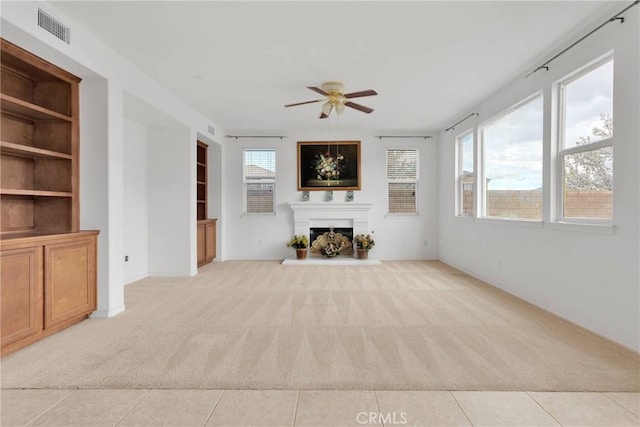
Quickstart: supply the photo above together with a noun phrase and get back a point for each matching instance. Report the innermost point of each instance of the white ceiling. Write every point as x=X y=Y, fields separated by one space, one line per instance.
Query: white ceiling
x=240 y=62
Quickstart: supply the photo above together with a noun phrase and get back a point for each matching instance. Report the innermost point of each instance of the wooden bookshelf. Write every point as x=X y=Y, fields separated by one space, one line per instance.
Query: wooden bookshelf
x=206 y=232
x=48 y=265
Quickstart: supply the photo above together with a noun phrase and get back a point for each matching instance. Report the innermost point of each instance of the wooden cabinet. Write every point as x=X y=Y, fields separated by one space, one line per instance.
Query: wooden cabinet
x=206 y=241
x=201 y=241
x=48 y=284
x=48 y=265
x=206 y=248
x=210 y=240
x=69 y=280
x=21 y=293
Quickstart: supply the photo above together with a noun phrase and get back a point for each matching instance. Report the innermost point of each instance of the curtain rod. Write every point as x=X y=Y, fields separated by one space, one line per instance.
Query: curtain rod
x=255 y=136
x=615 y=17
x=404 y=136
x=460 y=121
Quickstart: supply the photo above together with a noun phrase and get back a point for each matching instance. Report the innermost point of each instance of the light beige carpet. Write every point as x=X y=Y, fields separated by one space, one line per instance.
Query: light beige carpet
x=258 y=324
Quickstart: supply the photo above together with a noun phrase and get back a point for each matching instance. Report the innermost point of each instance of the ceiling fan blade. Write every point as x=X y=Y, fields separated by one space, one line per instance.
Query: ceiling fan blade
x=358 y=107
x=368 y=92
x=318 y=90
x=302 y=103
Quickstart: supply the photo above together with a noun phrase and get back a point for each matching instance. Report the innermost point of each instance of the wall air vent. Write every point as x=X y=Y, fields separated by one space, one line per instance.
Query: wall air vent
x=53 y=26
x=212 y=130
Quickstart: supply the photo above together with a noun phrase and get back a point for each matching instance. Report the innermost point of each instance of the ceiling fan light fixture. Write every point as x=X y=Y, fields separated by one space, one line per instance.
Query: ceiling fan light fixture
x=333 y=91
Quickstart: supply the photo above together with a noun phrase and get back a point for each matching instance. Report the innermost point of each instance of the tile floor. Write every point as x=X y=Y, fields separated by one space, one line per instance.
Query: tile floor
x=314 y=408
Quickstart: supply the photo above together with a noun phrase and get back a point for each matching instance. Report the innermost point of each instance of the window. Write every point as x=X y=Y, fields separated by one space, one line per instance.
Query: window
x=465 y=174
x=586 y=145
x=259 y=181
x=402 y=176
x=512 y=162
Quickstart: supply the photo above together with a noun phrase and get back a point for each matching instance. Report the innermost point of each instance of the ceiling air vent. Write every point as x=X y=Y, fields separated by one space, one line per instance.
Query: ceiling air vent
x=53 y=26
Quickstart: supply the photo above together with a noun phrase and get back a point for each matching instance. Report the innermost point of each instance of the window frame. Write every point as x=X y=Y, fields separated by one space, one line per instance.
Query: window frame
x=481 y=190
x=246 y=181
x=562 y=153
x=415 y=181
x=459 y=205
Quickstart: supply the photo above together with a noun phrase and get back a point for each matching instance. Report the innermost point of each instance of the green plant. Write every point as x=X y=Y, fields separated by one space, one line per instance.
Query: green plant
x=364 y=242
x=298 y=242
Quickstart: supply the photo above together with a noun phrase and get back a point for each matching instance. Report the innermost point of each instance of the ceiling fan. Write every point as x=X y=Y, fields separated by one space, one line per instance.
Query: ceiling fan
x=336 y=98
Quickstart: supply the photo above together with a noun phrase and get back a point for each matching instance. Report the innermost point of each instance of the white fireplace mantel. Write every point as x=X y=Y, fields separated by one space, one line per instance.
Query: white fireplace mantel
x=331 y=214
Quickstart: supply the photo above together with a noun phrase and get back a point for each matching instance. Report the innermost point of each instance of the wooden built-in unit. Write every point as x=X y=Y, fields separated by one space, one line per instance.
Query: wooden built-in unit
x=48 y=264
x=206 y=226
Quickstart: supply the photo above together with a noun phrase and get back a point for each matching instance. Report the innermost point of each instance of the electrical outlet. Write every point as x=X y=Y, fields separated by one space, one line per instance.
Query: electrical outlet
x=126 y=258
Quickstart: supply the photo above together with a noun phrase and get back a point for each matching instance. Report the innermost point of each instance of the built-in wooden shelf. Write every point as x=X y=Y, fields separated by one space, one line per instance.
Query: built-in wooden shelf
x=28 y=110
x=30 y=193
x=48 y=265
x=29 y=151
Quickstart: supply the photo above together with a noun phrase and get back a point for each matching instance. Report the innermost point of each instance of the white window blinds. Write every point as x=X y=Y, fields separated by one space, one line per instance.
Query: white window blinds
x=402 y=176
x=259 y=181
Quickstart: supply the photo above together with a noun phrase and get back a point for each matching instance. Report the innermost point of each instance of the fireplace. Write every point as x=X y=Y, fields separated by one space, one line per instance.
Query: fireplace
x=318 y=238
x=353 y=216
x=330 y=214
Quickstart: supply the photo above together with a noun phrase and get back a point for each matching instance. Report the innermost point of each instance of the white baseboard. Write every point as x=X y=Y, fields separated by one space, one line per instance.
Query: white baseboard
x=103 y=314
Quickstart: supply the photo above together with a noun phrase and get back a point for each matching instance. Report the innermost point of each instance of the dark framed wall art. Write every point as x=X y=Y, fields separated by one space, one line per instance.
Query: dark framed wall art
x=328 y=165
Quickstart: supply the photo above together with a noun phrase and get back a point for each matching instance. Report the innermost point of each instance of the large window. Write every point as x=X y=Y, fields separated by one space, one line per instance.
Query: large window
x=402 y=177
x=465 y=174
x=259 y=181
x=586 y=144
x=512 y=162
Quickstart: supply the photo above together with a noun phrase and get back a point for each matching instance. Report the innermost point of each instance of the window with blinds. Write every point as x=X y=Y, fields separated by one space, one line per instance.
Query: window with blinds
x=259 y=181
x=402 y=177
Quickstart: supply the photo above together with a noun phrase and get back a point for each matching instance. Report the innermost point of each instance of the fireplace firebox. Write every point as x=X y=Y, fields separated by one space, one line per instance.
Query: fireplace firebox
x=317 y=237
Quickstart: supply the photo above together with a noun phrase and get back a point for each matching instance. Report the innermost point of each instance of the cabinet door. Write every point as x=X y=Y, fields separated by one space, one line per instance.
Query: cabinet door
x=21 y=293
x=201 y=246
x=210 y=241
x=69 y=280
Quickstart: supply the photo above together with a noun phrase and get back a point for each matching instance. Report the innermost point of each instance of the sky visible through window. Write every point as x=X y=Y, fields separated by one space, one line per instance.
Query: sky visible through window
x=513 y=148
x=466 y=151
x=586 y=99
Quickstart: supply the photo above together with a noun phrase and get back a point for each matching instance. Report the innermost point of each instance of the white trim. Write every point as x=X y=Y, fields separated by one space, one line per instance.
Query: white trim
x=111 y=312
x=459 y=173
x=587 y=147
x=562 y=152
x=582 y=227
x=517 y=222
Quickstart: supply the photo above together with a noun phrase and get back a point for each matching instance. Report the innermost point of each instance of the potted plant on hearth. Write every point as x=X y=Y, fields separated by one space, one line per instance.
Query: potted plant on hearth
x=300 y=243
x=363 y=245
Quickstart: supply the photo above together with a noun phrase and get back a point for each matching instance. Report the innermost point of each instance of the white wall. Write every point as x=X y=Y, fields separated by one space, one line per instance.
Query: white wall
x=136 y=195
x=265 y=236
x=171 y=207
x=586 y=277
